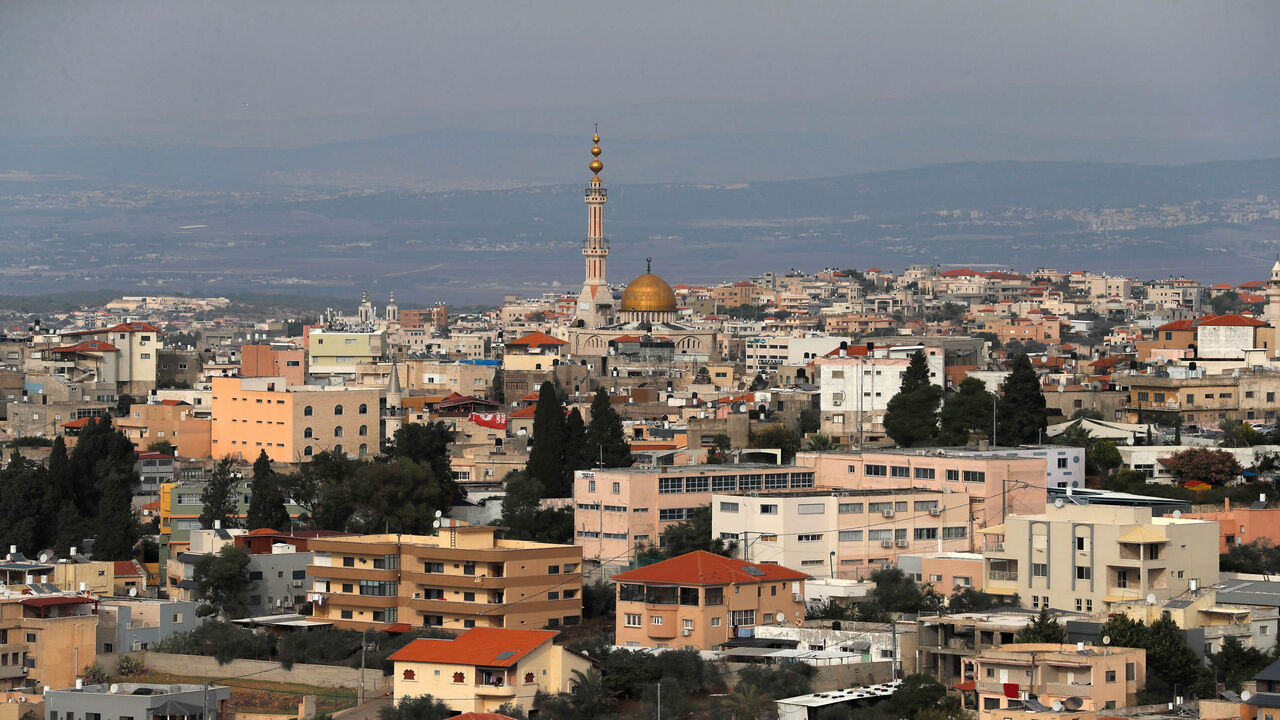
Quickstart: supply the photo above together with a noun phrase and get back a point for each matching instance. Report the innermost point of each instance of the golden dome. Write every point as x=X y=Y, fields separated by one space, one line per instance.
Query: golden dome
x=596 y=166
x=596 y=151
x=648 y=293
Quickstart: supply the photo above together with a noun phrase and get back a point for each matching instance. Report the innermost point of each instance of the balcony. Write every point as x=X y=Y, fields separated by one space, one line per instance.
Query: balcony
x=495 y=690
x=1003 y=575
x=993 y=547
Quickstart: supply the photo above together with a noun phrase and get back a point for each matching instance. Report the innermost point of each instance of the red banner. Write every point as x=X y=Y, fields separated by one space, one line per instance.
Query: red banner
x=496 y=421
x=1011 y=690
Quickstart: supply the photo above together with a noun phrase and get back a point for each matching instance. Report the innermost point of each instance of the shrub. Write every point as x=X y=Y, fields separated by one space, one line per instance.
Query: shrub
x=128 y=666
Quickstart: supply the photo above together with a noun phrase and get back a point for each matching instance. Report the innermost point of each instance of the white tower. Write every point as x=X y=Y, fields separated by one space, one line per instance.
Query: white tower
x=366 y=312
x=392 y=311
x=595 y=302
x=1272 y=311
x=394 y=413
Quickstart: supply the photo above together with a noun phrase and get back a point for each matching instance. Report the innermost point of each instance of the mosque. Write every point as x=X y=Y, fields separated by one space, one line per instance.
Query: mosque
x=648 y=306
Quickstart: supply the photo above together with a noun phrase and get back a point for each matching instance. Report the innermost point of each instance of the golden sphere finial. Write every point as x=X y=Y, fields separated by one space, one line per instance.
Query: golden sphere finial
x=596 y=166
x=596 y=151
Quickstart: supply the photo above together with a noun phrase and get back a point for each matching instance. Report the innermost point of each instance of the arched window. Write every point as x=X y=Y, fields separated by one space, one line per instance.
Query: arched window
x=364 y=430
x=408 y=675
x=337 y=432
x=307 y=451
x=337 y=449
x=307 y=411
x=364 y=409
x=364 y=449
x=337 y=409
x=306 y=433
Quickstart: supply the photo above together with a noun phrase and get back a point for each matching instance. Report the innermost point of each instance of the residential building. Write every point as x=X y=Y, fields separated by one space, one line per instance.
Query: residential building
x=46 y=638
x=134 y=623
x=617 y=509
x=127 y=701
x=154 y=469
x=1081 y=677
x=277 y=568
x=1000 y=485
x=843 y=533
x=462 y=578
x=1242 y=525
x=339 y=352
x=767 y=353
x=485 y=668
x=535 y=351
x=1089 y=557
x=128 y=354
x=293 y=423
x=700 y=600
x=284 y=361
x=858 y=382
x=945 y=642
x=1206 y=622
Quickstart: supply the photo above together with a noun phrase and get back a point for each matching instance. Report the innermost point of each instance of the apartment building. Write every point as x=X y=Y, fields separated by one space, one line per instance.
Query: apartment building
x=1242 y=525
x=846 y=533
x=700 y=600
x=125 y=701
x=618 y=509
x=46 y=638
x=535 y=351
x=999 y=484
x=436 y=377
x=134 y=623
x=1089 y=557
x=1202 y=399
x=339 y=352
x=284 y=361
x=277 y=568
x=857 y=384
x=171 y=420
x=128 y=354
x=1084 y=678
x=462 y=578
x=292 y=423
x=946 y=642
x=767 y=353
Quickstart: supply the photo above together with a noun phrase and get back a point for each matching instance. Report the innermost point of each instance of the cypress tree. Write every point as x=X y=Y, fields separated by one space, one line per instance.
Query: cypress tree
x=219 y=497
x=1021 y=416
x=605 y=436
x=911 y=417
x=266 y=504
x=577 y=455
x=546 y=456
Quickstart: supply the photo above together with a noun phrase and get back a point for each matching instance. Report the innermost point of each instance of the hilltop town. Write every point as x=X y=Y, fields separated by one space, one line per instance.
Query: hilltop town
x=1047 y=495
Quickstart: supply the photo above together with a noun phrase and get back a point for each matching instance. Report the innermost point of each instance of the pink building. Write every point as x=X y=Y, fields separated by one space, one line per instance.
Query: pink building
x=999 y=485
x=948 y=572
x=1241 y=526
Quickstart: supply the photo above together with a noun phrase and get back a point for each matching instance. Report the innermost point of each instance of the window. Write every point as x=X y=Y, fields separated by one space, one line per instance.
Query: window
x=1062 y=463
x=724 y=483
x=617 y=488
x=655 y=619
x=768 y=509
x=730 y=507
x=900 y=471
x=963 y=581
x=337 y=431
x=808 y=538
x=432 y=567
x=775 y=481
x=743 y=618
x=306 y=411
x=346 y=614
x=991 y=703
x=923 y=473
x=591 y=486
x=926 y=533
x=974 y=476
x=1084 y=572
x=307 y=451
x=955 y=533
x=632 y=620
x=1082 y=543
x=1129 y=672
x=850 y=535
x=668 y=486
x=363 y=409
x=364 y=430
x=924 y=505
x=750 y=482
x=879 y=507
x=1111 y=676
x=1039 y=570
x=810 y=509
x=879 y=535
x=953 y=476
x=306 y=433
x=877 y=470
x=850 y=508
x=697 y=484
x=337 y=409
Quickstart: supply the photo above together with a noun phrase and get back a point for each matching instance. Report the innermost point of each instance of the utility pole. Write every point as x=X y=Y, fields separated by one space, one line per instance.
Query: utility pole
x=659 y=700
x=364 y=643
x=204 y=701
x=893 y=659
x=993 y=418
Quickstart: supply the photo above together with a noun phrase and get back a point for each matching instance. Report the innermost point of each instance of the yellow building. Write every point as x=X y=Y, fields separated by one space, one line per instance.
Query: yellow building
x=460 y=579
x=332 y=352
x=484 y=668
x=46 y=639
x=1078 y=679
x=292 y=423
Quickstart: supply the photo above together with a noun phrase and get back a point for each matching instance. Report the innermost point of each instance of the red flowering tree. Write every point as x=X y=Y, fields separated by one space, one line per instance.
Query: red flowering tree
x=1216 y=467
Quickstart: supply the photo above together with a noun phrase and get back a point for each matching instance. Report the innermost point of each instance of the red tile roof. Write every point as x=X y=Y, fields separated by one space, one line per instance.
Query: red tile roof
x=490 y=647
x=525 y=412
x=535 y=339
x=1179 y=325
x=1231 y=321
x=86 y=346
x=78 y=422
x=128 y=568
x=703 y=568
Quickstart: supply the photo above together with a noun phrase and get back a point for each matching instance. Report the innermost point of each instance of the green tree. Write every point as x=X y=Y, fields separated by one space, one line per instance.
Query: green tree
x=921 y=691
x=21 y=481
x=400 y=496
x=718 y=453
x=591 y=697
x=546 y=456
x=821 y=443
x=693 y=534
x=777 y=436
x=1021 y=415
x=577 y=454
x=605 y=435
x=426 y=443
x=1216 y=467
x=967 y=599
x=895 y=591
x=219 y=498
x=1235 y=664
x=421 y=707
x=965 y=411
x=322 y=488
x=163 y=447
x=703 y=376
x=810 y=420
x=526 y=519
x=222 y=581
x=911 y=418
x=1103 y=456
x=749 y=701
x=266 y=501
x=1237 y=433
x=100 y=481
x=1044 y=629
x=759 y=382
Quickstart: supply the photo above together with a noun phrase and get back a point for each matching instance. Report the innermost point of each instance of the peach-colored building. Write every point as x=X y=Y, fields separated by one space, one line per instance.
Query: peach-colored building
x=172 y=420
x=999 y=482
x=283 y=361
x=699 y=600
x=618 y=509
x=1087 y=677
x=292 y=423
x=1241 y=526
x=947 y=572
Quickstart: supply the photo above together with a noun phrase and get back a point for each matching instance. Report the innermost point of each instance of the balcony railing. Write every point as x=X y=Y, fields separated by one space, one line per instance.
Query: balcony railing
x=993 y=547
x=1011 y=575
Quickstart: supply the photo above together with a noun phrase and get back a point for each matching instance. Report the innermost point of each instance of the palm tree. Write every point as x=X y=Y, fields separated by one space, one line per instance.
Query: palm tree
x=747 y=701
x=591 y=697
x=821 y=443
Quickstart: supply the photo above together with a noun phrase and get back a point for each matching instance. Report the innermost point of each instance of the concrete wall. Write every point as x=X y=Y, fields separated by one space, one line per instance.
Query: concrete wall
x=200 y=666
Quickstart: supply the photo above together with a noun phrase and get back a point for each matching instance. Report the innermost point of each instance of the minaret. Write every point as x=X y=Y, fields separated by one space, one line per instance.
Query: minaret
x=393 y=416
x=595 y=302
x=392 y=311
x=365 y=311
x=1272 y=310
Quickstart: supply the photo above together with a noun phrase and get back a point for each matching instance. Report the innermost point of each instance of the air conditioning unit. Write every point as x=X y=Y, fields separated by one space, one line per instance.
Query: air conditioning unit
x=887 y=513
x=935 y=511
x=796 y=597
x=902 y=543
x=886 y=543
x=686 y=631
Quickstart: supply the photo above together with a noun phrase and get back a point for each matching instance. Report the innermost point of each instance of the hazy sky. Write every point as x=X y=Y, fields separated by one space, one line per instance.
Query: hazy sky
x=178 y=61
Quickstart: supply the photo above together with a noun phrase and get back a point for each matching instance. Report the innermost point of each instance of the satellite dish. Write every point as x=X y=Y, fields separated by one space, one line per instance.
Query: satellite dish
x=781 y=618
x=435 y=524
x=1151 y=598
x=113 y=689
x=1057 y=502
x=1106 y=639
x=1073 y=703
x=1177 y=514
x=133 y=592
x=1057 y=706
x=1246 y=695
x=439 y=513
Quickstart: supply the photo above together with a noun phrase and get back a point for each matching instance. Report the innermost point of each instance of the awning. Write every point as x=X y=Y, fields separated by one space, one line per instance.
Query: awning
x=1143 y=534
x=965 y=686
x=51 y=600
x=994 y=590
x=993 y=530
x=1123 y=597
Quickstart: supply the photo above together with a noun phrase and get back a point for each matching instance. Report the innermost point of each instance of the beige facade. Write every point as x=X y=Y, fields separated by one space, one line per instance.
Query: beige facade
x=332 y=352
x=1091 y=557
x=1087 y=677
x=291 y=424
x=46 y=639
x=433 y=377
x=461 y=578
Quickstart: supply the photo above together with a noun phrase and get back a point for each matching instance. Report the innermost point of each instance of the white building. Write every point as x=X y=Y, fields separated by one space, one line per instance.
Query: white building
x=856 y=389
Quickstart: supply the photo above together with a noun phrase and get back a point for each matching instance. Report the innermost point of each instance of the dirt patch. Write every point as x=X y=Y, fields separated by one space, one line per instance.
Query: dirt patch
x=260 y=696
